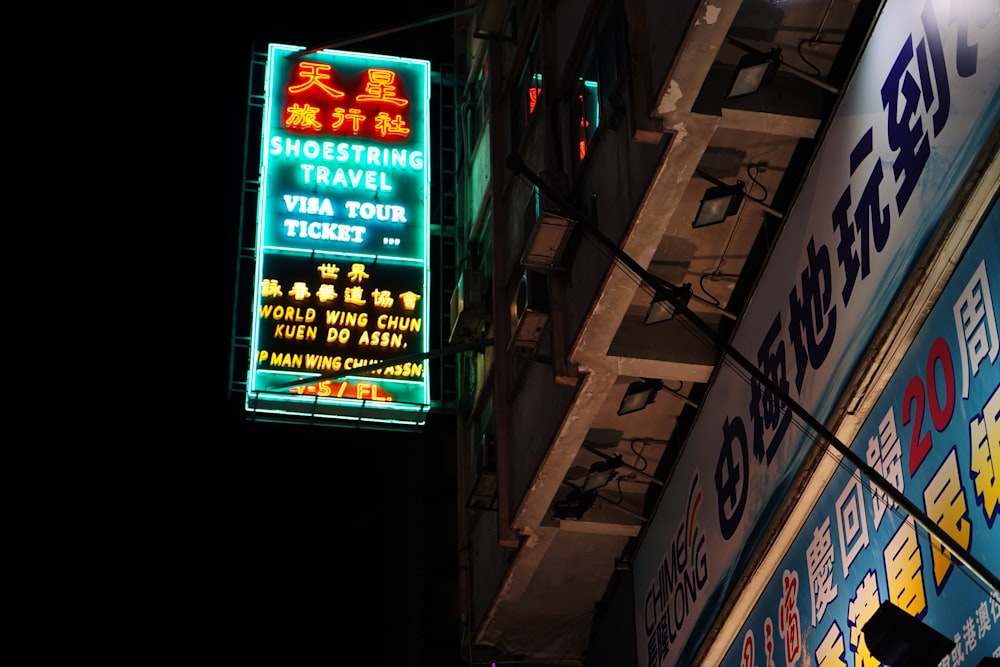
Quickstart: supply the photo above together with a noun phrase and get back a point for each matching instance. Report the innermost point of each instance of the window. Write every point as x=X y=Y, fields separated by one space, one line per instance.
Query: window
x=585 y=110
x=603 y=63
x=524 y=97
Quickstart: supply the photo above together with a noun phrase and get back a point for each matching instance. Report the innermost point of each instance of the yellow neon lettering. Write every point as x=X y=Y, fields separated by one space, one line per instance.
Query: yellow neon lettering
x=335 y=335
x=285 y=360
x=288 y=314
x=295 y=332
x=322 y=362
x=381 y=339
x=303 y=117
x=343 y=319
x=395 y=323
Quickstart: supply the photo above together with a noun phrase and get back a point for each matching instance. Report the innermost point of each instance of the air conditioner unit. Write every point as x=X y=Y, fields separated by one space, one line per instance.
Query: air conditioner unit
x=547 y=242
x=468 y=307
x=529 y=312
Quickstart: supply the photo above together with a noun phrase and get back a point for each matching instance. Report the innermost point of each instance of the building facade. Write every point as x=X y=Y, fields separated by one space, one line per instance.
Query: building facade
x=600 y=526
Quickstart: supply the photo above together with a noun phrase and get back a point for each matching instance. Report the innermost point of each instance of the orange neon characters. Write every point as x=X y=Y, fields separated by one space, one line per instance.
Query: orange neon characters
x=385 y=125
x=353 y=116
x=303 y=117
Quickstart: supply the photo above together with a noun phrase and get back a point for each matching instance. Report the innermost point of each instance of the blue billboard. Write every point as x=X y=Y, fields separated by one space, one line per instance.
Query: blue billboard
x=906 y=134
x=934 y=434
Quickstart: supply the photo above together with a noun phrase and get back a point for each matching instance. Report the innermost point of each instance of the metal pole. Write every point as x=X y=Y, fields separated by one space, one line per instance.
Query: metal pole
x=475 y=345
x=516 y=164
x=386 y=31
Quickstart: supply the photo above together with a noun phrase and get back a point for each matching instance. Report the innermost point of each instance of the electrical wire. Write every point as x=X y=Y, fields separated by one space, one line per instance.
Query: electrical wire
x=631 y=446
x=814 y=439
x=715 y=275
x=806 y=432
x=752 y=175
x=798 y=49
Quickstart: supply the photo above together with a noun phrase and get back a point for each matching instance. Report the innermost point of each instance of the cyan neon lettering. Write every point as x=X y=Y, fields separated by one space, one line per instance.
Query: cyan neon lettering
x=324 y=231
x=381 y=212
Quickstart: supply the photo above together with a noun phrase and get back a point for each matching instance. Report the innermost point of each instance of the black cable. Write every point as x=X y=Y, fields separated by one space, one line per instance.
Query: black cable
x=753 y=178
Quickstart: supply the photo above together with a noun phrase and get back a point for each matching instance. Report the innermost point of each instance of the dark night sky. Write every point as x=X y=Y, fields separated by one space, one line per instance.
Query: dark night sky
x=149 y=523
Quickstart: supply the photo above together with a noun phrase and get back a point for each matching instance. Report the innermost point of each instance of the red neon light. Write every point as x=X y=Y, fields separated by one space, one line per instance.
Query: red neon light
x=381 y=87
x=314 y=85
x=533 y=94
x=361 y=391
x=315 y=74
x=584 y=124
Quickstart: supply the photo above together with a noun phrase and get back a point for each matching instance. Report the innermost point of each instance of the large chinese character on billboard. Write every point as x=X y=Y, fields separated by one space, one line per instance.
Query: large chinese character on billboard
x=342 y=277
x=904 y=139
x=934 y=435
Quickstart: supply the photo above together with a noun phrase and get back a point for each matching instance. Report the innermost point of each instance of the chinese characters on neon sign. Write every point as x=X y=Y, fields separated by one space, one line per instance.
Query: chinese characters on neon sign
x=342 y=277
x=365 y=112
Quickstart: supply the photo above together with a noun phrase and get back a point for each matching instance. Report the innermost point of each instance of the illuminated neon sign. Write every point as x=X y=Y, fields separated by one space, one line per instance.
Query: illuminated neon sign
x=342 y=275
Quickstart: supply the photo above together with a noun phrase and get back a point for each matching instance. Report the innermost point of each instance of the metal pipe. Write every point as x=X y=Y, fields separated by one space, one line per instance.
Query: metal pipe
x=386 y=31
x=476 y=345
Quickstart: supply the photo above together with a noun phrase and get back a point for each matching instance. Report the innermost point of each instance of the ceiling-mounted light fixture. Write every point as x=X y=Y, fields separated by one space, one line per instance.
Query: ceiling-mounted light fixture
x=723 y=200
x=582 y=498
x=638 y=395
x=663 y=307
x=601 y=473
x=575 y=505
x=641 y=393
x=592 y=232
x=718 y=203
x=757 y=69
x=754 y=69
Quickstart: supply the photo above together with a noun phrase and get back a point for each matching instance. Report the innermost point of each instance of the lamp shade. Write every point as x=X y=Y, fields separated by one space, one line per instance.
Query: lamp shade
x=718 y=203
x=663 y=308
x=754 y=70
x=574 y=506
x=601 y=473
x=660 y=310
x=638 y=395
